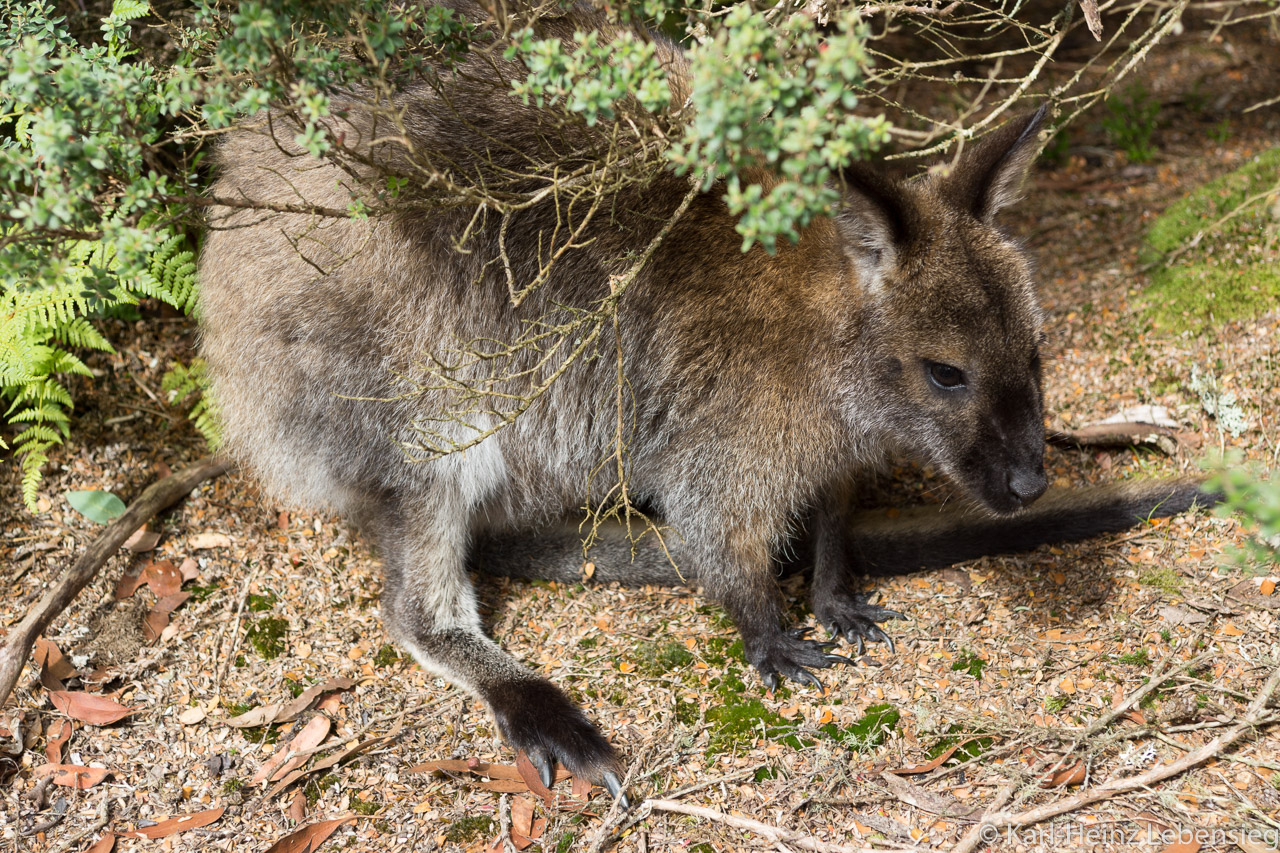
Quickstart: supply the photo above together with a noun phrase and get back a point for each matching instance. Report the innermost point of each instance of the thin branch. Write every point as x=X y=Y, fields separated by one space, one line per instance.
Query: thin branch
x=775 y=834
x=1254 y=715
x=160 y=495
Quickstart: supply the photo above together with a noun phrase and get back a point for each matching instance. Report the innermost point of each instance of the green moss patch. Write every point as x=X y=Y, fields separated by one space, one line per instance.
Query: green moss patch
x=266 y=636
x=738 y=719
x=869 y=732
x=968 y=662
x=470 y=829
x=968 y=745
x=660 y=658
x=1233 y=271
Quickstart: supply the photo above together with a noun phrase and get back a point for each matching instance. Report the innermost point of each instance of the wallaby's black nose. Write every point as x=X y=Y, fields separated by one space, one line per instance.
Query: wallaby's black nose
x=1028 y=485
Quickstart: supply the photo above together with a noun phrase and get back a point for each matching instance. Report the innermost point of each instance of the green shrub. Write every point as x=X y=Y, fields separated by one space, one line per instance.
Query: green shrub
x=103 y=132
x=1216 y=253
x=1131 y=121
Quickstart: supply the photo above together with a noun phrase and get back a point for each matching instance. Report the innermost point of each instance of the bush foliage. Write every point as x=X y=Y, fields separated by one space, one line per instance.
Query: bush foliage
x=105 y=126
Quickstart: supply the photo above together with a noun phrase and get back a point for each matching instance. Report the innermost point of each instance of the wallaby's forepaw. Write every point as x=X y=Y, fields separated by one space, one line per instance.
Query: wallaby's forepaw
x=535 y=717
x=791 y=654
x=854 y=617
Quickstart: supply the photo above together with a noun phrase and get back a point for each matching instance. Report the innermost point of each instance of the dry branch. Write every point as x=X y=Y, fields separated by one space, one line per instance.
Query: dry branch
x=1254 y=715
x=775 y=834
x=158 y=496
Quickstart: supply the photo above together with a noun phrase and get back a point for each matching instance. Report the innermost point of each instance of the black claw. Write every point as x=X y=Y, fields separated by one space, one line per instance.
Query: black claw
x=840 y=659
x=613 y=785
x=804 y=676
x=801 y=632
x=770 y=680
x=862 y=646
x=545 y=766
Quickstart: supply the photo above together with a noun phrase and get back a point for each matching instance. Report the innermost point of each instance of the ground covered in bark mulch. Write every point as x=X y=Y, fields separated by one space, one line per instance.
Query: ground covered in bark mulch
x=1018 y=682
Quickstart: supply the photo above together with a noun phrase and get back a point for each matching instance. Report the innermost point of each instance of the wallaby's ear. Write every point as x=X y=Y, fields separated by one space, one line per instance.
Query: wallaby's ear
x=877 y=219
x=989 y=176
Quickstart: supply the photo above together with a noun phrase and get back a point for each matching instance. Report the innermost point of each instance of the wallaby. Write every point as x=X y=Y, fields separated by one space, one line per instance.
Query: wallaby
x=762 y=388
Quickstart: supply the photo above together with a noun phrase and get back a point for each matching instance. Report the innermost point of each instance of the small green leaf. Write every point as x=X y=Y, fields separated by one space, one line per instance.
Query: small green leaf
x=100 y=507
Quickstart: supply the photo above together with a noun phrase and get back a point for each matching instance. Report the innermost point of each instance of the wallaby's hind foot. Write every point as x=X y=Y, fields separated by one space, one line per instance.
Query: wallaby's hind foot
x=532 y=714
x=429 y=607
x=536 y=718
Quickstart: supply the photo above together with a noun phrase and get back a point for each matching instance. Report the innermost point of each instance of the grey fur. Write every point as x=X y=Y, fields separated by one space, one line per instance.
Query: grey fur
x=764 y=387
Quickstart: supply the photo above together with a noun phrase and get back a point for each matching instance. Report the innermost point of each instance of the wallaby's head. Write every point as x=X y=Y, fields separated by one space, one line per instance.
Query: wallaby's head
x=951 y=327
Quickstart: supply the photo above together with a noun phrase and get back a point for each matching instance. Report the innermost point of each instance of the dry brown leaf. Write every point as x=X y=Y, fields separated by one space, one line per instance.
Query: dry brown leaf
x=291 y=710
x=142 y=540
x=504 y=786
x=89 y=707
x=522 y=815
x=308 y=838
x=311 y=736
x=935 y=763
x=158 y=618
x=287 y=712
x=580 y=788
x=254 y=717
x=59 y=733
x=161 y=575
x=105 y=844
x=54 y=666
x=529 y=775
x=73 y=775
x=1072 y=774
x=1182 y=847
x=190 y=569
x=172 y=825
x=298 y=806
x=479 y=768
x=192 y=715
x=524 y=829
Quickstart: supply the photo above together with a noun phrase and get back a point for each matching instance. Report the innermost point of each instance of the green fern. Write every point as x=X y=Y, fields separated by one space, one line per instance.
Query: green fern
x=183 y=381
x=40 y=325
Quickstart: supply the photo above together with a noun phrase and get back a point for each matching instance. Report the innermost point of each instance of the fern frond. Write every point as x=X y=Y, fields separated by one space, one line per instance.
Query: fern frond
x=39 y=325
x=79 y=332
x=129 y=10
x=173 y=271
x=182 y=381
x=32 y=462
x=36 y=435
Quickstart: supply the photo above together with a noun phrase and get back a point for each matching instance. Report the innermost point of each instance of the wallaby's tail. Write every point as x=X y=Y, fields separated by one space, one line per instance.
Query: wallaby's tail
x=930 y=537
x=886 y=543
x=555 y=554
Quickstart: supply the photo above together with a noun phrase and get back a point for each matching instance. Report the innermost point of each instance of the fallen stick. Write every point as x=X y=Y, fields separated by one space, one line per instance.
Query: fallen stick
x=986 y=831
x=775 y=834
x=160 y=495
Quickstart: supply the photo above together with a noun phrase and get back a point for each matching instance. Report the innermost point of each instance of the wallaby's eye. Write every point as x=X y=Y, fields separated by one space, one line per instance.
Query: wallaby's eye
x=945 y=376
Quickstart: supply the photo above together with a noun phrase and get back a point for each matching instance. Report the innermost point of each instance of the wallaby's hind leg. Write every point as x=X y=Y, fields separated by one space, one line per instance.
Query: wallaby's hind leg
x=429 y=607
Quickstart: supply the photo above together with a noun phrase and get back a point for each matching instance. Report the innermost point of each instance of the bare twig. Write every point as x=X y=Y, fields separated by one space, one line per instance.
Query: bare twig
x=158 y=496
x=1254 y=715
x=775 y=834
x=99 y=821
